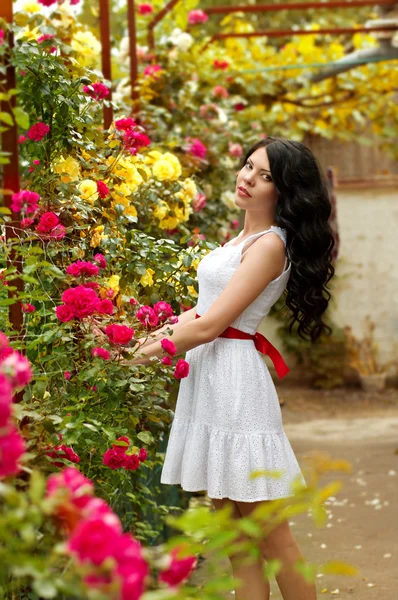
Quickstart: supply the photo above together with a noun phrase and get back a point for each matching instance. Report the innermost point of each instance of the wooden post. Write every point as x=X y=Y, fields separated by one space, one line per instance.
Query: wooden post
x=11 y=177
x=133 y=54
x=220 y=10
x=106 y=56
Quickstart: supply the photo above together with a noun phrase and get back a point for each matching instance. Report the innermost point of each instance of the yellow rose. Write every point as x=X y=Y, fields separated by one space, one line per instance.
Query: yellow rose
x=169 y=223
x=167 y=168
x=69 y=168
x=192 y=291
x=88 y=190
x=190 y=188
x=87 y=47
x=195 y=263
x=152 y=157
x=147 y=279
x=113 y=283
x=161 y=210
x=97 y=235
x=31 y=7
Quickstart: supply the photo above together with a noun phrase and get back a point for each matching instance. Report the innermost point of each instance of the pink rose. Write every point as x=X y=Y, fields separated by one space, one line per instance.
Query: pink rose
x=132 y=462
x=47 y=222
x=133 y=140
x=119 y=334
x=22 y=139
x=26 y=200
x=101 y=353
x=97 y=91
x=151 y=70
x=125 y=124
x=27 y=222
x=5 y=411
x=100 y=260
x=133 y=301
x=166 y=360
x=28 y=308
x=147 y=316
x=47 y=2
x=163 y=310
x=235 y=150
x=234 y=224
x=220 y=92
x=105 y=307
x=17 y=369
x=199 y=203
x=102 y=189
x=168 y=346
x=143 y=454
x=82 y=301
x=71 y=480
x=131 y=567
x=173 y=320
x=81 y=267
x=95 y=539
x=179 y=569
x=114 y=459
x=197 y=16
x=45 y=37
x=38 y=131
x=58 y=232
x=67 y=375
x=145 y=9
x=197 y=149
x=12 y=447
x=182 y=369
x=93 y=285
x=64 y=313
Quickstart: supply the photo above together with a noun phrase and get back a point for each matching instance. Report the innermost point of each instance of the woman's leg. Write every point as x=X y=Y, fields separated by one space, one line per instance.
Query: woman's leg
x=281 y=544
x=253 y=583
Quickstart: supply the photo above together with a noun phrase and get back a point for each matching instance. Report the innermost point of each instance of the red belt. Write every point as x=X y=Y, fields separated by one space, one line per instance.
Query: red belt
x=262 y=345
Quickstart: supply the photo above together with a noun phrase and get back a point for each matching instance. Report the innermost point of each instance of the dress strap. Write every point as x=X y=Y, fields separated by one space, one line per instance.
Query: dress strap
x=273 y=229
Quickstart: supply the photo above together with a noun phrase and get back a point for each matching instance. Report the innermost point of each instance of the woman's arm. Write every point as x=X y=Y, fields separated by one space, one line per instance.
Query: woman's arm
x=263 y=263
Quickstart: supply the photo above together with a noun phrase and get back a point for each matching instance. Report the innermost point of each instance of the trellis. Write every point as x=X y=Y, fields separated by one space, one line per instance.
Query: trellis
x=11 y=180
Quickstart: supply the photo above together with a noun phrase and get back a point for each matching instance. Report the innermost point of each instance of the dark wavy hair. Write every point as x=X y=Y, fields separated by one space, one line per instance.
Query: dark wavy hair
x=303 y=210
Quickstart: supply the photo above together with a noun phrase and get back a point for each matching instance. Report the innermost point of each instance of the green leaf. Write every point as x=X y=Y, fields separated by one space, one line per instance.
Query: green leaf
x=4 y=210
x=6 y=118
x=21 y=117
x=146 y=437
x=272 y=568
x=37 y=486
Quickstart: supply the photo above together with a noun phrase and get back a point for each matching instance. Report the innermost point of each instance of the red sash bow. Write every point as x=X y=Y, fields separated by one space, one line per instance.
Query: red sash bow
x=262 y=345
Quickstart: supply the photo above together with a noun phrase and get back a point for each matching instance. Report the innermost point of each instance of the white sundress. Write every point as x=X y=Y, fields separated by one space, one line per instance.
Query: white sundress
x=228 y=420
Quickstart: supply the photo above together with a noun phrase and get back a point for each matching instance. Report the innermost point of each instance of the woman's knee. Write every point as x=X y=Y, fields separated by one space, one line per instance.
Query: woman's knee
x=280 y=543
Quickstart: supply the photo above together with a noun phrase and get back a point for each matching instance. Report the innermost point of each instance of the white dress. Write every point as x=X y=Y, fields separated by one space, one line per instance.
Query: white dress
x=228 y=420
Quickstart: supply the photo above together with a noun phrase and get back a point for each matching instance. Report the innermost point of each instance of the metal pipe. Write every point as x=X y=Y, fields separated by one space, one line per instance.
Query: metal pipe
x=297 y=6
x=11 y=178
x=106 y=56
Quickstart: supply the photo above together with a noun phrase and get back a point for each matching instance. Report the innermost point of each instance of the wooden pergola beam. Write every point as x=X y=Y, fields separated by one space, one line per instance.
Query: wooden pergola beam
x=297 y=6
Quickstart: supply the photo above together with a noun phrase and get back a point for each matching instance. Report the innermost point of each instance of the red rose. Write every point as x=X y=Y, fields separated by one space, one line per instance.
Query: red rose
x=47 y=222
x=124 y=447
x=132 y=462
x=167 y=361
x=113 y=459
x=64 y=313
x=168 y=346
x=143 y=454
x=119 y=334
x=82 y=301
x=163 y=310
x=105 y=307
x=100 y=260
x=147 y=316
x=182 y=369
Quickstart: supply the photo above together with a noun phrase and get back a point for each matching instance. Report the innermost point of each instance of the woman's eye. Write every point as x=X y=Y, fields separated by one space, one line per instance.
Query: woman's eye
x=247 y=165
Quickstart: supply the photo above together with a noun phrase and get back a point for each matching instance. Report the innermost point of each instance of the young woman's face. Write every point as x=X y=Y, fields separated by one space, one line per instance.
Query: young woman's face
x=255 y=189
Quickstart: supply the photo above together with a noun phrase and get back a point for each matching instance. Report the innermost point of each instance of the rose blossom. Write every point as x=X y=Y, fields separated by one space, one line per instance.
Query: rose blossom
x=173 y=320
x=2 y=36
x=95 y=539
x=48 y=221
x=12 y=446
x=131 y=567
x=100 y=260
x=143 y=454
x=179 y=569
x=71 y=480
x=101 y=353
x=197 y=148
x=182 y=369
x=27 y=222
x=102 y=189
x=133 y=301
x=114 y=459
x=235 y=150
x=163 y=310
x=81 y=267
x=166 y=360
x=220 y=91
x=199 y=203
x=17 y=369
x=147 y=316
x=82 y=301
x=25 y=199
x=197 y=16
x=5 y=411
x=67 y=375
x=105 y=307
x=38 y=131
x=45 y=37
x=47 y=2
x=220 y=64
x=97 y=91
x=119 y=334
x=62 y=452
x=168 y=346
x=151 y=70
x=64 y=313
x=133 y=140
x=58 y=232
x=125 y=123
x=145 y=9
x=124 y=447
x=239 y=106
x=22 y=139
x=28 y=308
x=132 y=462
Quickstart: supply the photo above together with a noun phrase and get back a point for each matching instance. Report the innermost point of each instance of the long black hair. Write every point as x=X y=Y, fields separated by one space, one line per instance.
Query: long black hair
x=303 y=210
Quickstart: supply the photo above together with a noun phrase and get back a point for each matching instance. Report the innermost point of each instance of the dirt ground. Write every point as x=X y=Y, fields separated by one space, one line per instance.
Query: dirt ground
x=362 y=527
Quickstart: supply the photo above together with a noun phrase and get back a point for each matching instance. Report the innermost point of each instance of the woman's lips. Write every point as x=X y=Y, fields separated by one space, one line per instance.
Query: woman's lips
x=243 y=192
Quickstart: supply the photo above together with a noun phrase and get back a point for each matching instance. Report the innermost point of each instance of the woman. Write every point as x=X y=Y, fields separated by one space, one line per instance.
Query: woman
x=227 y=421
